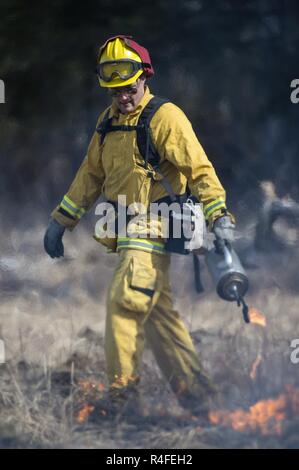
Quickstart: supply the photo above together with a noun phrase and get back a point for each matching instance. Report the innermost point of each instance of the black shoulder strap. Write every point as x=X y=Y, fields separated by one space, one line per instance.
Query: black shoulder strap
x=144 y=139
x=145 y=142
x=106 y=126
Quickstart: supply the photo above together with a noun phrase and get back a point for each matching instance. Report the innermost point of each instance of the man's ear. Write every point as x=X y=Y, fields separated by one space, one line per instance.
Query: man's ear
x=143 y=78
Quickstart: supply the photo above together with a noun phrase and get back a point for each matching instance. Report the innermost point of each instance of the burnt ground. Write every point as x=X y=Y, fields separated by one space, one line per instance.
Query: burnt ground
x=52 y=323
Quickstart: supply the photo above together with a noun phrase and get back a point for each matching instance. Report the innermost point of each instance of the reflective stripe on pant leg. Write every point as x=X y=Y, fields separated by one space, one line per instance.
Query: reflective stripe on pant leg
x=174 y=351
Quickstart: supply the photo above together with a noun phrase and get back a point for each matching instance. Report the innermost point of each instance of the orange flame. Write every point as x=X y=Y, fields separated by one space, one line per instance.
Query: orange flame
x=256 y=317
x=84 y=413
x=266 y=416
x=254 y=366
x=87 y=391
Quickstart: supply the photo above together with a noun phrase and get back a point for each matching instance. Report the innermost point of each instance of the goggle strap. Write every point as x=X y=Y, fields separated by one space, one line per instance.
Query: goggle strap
x=97 y=68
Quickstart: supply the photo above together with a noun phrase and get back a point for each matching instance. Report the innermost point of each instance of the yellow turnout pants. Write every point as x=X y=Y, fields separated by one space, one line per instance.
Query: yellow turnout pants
x=139 y=307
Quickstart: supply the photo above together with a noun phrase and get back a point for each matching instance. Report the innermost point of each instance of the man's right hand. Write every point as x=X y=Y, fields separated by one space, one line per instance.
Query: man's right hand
x=53 y=239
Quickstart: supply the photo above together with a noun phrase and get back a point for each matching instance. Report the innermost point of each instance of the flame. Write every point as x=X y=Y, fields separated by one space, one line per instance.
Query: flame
x=89 y=394
x=88 y=391
x=266 y=416
x=254 y=366
x=256 y=317
x=83 y=414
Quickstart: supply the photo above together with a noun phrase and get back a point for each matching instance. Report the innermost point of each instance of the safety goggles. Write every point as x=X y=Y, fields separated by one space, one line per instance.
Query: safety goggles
x=124 y=69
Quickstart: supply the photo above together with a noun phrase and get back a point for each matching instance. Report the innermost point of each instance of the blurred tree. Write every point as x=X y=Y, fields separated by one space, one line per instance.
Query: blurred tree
x=227 y=63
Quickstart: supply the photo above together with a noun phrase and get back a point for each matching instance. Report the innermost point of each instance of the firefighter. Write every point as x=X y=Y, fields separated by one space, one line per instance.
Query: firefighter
x=139 y=303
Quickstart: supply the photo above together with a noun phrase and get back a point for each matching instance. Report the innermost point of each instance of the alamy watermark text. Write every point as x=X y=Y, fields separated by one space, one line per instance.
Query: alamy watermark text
x=295 y=353
x=2 y=92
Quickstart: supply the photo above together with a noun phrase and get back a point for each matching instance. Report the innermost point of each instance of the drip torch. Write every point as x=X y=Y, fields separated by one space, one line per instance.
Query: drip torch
x=228 y=274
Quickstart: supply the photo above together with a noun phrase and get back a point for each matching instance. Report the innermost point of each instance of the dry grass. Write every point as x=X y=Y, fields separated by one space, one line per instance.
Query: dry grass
x=52 y=322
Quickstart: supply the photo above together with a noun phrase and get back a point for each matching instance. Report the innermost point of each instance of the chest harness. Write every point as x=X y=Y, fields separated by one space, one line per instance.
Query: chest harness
x=150 y=156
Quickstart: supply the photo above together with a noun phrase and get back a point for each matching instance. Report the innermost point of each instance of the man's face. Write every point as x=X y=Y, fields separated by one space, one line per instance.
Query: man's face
x=127 y=98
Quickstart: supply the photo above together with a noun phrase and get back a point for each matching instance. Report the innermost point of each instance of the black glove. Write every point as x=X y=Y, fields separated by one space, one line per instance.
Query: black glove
x=224 y=228
x=53 y=239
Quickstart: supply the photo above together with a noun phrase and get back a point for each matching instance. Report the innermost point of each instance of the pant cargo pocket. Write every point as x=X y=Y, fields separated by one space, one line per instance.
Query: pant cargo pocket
x=138 y=287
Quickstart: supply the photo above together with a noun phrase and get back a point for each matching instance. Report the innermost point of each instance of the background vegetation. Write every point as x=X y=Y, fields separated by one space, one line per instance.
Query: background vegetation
x=227 y=63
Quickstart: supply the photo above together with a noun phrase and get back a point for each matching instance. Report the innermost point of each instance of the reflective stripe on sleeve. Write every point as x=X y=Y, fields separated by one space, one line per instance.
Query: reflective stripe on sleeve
x=69 y=206
x=213 y=206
